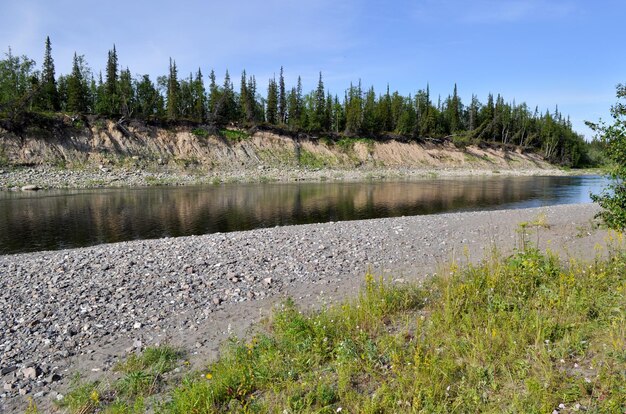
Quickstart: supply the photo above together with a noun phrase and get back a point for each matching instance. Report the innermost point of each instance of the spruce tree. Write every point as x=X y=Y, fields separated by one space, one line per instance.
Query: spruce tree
x=199 y=96
x=282 y=99
x=227 y=107
x=173 y=93
x=126 y=93
x=319 y=107
x=49 y=93
x=147 y=103
x=272 y=103
x=76 y=88
x=112 y=105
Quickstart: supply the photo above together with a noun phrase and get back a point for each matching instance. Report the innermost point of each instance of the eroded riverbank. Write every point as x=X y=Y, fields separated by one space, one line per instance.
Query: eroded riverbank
x=80 y=310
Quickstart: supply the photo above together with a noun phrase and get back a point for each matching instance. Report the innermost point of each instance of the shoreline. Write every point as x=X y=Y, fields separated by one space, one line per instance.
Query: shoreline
x=83 y=309
x=47 y=177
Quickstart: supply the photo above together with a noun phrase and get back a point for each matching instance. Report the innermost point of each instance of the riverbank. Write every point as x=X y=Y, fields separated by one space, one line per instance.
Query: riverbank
x=81 y=310
x=46 y=177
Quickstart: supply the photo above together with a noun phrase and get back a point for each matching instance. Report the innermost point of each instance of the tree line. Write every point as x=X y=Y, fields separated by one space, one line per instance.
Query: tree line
x=359 y=112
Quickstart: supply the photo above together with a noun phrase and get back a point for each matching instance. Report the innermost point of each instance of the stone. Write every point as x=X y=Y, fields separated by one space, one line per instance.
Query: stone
x=7 y=370
x=31 y=187
x=30 y=373
x=53 y=378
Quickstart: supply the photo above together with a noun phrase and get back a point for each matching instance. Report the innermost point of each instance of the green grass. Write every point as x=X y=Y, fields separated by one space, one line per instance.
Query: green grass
x=520 y=334
x=200 y=132
x=523 y=333
x=310 y=160
x=140 y=376
x=346 y=144
x=234 y=135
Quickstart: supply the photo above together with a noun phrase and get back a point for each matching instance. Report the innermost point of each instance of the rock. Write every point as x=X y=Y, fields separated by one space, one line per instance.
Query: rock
x=23 y=391
x=7 y=370
x=53 y=378
x=8 y=386
x=267 y=281
x=30 y=373
x=31 y=187
x=137 y=325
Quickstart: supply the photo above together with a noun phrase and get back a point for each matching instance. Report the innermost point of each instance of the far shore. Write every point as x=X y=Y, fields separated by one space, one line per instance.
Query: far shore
x=15 y=178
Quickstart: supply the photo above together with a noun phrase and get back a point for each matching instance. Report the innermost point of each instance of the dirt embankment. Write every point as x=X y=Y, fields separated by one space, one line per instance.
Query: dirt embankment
x=85 y=143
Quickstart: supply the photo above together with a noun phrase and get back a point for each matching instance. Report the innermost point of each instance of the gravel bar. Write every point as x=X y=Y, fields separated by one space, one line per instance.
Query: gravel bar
x=83 y=309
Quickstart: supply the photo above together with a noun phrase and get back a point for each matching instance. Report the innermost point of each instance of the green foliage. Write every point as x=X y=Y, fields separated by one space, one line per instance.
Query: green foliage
x=142 y=376
x=83 y=398
x=234 y=135
x=310 y=160
x=509 y=335
x=199 y=132
x=613 y=198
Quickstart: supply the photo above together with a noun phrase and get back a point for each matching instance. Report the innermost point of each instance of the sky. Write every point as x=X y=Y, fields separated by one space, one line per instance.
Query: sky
x=543 y=52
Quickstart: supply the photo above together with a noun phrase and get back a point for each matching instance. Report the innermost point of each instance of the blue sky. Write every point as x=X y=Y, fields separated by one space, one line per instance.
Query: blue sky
x=544 y=52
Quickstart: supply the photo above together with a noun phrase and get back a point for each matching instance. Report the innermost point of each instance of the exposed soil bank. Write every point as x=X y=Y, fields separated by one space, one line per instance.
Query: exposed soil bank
x=82 y=309
x=102 y=153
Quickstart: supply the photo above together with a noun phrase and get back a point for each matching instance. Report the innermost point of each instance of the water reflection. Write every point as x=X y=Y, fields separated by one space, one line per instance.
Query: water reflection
x=64 y=219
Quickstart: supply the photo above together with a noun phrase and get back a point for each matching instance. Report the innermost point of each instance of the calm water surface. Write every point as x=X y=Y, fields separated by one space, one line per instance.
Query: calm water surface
x=72 y=218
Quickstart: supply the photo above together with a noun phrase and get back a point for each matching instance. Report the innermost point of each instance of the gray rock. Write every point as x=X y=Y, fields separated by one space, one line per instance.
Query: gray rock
x=31 y=187
x=30 y=373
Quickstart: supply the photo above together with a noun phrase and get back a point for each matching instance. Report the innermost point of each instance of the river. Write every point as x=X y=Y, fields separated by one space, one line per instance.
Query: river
x=60 y=219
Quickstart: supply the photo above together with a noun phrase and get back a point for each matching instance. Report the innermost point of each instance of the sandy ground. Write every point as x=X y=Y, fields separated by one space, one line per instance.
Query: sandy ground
x=238 y=280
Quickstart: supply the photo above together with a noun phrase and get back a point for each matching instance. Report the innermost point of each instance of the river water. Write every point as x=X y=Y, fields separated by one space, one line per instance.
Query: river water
x=60 y=219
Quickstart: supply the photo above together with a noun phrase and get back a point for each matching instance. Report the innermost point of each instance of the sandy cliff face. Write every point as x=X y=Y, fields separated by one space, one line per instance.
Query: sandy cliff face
x=102 y=142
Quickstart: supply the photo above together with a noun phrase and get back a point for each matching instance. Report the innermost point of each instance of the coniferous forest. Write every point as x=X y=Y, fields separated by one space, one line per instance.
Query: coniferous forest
x=28 y=91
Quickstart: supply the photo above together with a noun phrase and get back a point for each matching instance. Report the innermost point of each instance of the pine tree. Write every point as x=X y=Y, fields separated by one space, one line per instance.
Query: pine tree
x=76 y=88
x=370 y=125
x=214 y=96
x=282 y=99
x=252 y=108
x=126 y=93
x=147 y=98
x=227 y=106
x=49 y=94
x=243 y=98
x=199 y=96
x=272 y=103
x=354 y=110
x=328 y=113
x=454 y=112
x=317 y=123
x=173 y=93
x=111 y=85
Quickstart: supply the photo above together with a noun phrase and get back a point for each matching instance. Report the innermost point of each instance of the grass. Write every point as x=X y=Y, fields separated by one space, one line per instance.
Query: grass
x=346 y=144
x=200 y=132
x=140 y=377
x=233 y=135
x=524 y=333
x=520 y=334
x=310 y=160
